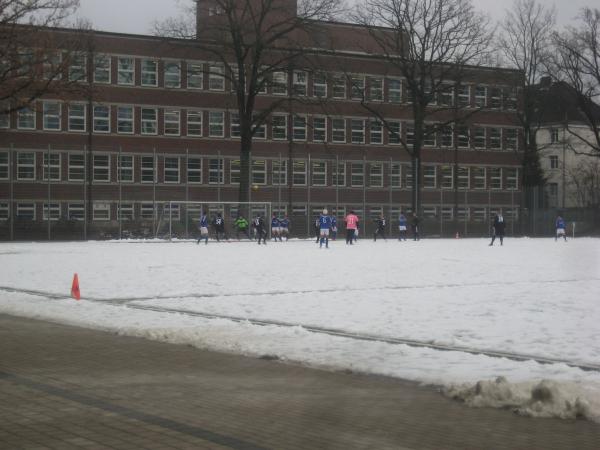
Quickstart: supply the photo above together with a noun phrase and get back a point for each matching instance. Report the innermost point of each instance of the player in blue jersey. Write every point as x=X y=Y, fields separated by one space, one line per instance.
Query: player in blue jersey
x=203 y=226
x=402 y=226
x=324 y=227
x=275 y=228
x=333 y=227
x=284 y=228
x=561 y=228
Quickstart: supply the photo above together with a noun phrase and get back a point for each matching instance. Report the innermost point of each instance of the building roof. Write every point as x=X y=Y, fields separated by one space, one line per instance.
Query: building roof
x=559 y=103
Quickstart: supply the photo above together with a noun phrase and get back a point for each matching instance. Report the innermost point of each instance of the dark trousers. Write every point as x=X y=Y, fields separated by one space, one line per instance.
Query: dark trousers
x=501 y=236
x=243 y=231
x=350 y=236
x=379 y=232
x=415 y=230
x=261 y=234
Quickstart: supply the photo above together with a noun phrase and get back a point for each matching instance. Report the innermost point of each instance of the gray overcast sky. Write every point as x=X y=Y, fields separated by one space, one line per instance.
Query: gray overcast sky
x=137 y=16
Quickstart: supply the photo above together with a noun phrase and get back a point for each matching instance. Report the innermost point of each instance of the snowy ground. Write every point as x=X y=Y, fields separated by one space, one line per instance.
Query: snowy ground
x=535 y=299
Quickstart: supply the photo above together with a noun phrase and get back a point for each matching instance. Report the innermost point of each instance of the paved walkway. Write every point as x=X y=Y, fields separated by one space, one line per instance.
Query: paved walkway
x=66 y=388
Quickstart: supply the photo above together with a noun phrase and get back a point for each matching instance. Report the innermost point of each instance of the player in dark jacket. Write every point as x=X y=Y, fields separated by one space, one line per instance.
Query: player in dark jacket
x=415 y=227
x=219 y=225
x=498 y=229
x=259 y=226
x=380 y=231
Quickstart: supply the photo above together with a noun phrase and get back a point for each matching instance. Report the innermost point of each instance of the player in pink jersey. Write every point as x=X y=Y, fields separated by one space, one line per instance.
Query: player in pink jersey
x=351 y=225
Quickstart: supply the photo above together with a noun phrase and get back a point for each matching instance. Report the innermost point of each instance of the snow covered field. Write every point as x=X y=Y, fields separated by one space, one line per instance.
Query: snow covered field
x=534 y=299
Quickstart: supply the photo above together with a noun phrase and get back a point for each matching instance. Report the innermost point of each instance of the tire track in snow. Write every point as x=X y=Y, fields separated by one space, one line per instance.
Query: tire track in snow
x=322 y=330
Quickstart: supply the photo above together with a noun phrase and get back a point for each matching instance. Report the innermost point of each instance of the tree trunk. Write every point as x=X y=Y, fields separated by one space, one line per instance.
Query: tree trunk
x=245 y=167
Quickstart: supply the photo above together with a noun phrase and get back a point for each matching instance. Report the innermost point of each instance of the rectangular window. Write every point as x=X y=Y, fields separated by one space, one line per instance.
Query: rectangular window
x=52 y=165
x=126 y=71
x=463 y=137
x=52 y=211
x=125 y=169
x=511 y=139
x=479 y=138
x=410 y=134
x=234 y=171
x=51 y=114
x=26 y=119
x=339 y=174
x=76 y=167
x=259 y=171
x=279 y=172
x=376 y=132
x=279 y=83
x=462 y=214
x=77 y=120
x=376 y=89
x=26 y=211
x=495 y=135
x=495 y=98
x=101 y=211
x=299 y=125
x=234 y=125
x=125 y=211
x=171 y=210
x=147 y=174
x=429 y=177
x=464 y=178
x=300 y=83
x=3 y=165
x=429 y=136
x=479 y=178
x=216 y=123
x=338 y=130
x=279 y=126
x=447 y=213
x=478 y=215
x=464 y=96
x=495 y=178
x=147 y=211
x=357 y=127
x=510 y=98
x=171 y=170
x=260 y=130
x=52 y=66
x=76 y=211
x=320 y=85
x=194 y=123
x=446 y=95
x=394 y=90
x=77 y=67
x=216 y=79
x=394 y=130
x=480 y=96
x=101 y=119
x=319 y=129
x=172 y=122
x=357 y=174
x=101 y=168
x=447 y=177
x=195 y=75
x=125 y=119
x=172 y=75
x=339 y=86
x=102 y=69
x=357 y=87
x=319 y=173
x=447 y=137
x=149 y=73
x=376 y=175
x=554 y=162
x=408 y=176
x=194 y=170
x=215 y=171
x=396 y=175
x=4 y=114
x=26 y=166
x=554 y=137
x=299 y=173
x=512 y=178
x=149 y=121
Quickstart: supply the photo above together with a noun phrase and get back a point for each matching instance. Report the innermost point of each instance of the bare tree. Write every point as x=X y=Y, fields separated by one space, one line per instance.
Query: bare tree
x=583 y=181
x=578 y=63
x=256 y=43
x=525 y=42
x=431 y=44
x=33 y=59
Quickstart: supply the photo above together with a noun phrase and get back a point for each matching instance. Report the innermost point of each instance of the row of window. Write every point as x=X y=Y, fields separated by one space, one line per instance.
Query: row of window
x=175 y=170
x=212 y=76
x=106 y=211
x=129 y=119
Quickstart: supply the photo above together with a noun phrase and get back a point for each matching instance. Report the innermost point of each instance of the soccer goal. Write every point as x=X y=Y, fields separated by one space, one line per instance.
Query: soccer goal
x=180 y=220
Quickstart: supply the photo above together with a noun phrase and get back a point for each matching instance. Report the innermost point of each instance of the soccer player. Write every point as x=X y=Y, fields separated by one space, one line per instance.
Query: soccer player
x=351 y=226
x=380 y=231
x=219 y=224
x=402 y=223
x=498 y=229
x=275 y=228
x=318 y=229
x=561 y=227
x=324 y=227
x=259 y=226
x=415 y=227
x=333 y=228
x=241 y=225
x=284 y=228
x=203 y=225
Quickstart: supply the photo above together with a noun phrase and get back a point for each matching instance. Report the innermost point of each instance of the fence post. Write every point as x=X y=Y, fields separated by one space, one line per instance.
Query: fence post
x=12 y=205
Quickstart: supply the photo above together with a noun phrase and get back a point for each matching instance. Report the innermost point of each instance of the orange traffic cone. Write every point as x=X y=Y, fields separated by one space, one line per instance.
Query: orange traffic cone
x=75 y=288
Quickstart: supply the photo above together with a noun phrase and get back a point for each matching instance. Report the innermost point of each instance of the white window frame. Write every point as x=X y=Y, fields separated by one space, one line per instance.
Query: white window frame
x=26 y=119
x=194 y=170
x=338 y=87
x=464 y=178
x=76 y=211
x=319 y=173
x=149 y=121
x=216 y=172
x=357 y=87
x=496 y=178
x=357 y=177
x=54 y=211
x=396 y=175
x=375 y=130
x=4 y=165
x=357 y=131
x=78 y=67
x=429 y=178
x=147 y=75
x=171 y=170
x=172 y=122
x=235 y=130
x=300 y=83
x=480 y=137
x=512 y=178
x=319 y=129
x=278 y=128
x=481 y=98
x=125 y=211
x=376 y=174
x=100 y=67
x=101 y=172
x=101 y=122
x=76 y=166
x=394 y=128
x=26 y=207
x=195 y=117
x=299 y=177
x=259 y=172
x=320 y=85
x=126 y=168
x=338 y=175
x=51 y=119
x=394 y=93
x=479 y=178
x=299 y=125
x=492 y=138
x=101 y=212
x=338 y=130
x=29 y=165
x=72 y=119
x=215 y=125
x=195 y=71
x=126 y=72
x=147 y=167
x=172 y=80
x=447 y=177
x=55 y=166
x=216 y=77
x=128 y=119
x=279 y=172
x=376 y=89
x=279 y=81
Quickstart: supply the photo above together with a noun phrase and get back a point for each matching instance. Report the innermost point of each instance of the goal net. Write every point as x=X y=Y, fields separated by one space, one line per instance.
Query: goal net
x=180 y=220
